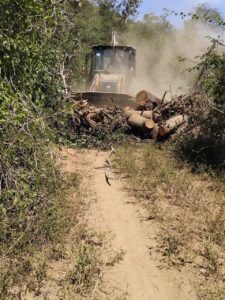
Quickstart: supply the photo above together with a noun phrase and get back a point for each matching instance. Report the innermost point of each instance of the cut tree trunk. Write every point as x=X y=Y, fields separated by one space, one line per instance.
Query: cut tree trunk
x=171 y=124
x=139 y=122
x=149 y=124
x=144 y=96
x=148 y=114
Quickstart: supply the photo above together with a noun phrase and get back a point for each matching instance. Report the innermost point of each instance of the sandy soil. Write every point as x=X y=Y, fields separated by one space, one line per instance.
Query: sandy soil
x=139 y=274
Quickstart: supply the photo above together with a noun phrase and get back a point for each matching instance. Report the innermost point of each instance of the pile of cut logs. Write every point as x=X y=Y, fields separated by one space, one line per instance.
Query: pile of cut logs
x=156 y=117
x=153 y=117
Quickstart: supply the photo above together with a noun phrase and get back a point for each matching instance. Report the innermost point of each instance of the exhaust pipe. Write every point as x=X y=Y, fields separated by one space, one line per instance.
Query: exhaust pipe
x=114 y=41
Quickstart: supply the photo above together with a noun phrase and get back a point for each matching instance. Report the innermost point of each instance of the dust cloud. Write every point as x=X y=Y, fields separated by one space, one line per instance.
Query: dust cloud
x=163 y=62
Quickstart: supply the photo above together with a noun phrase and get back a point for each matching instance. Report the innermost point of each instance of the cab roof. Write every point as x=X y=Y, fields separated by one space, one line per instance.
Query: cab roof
x=100 y=47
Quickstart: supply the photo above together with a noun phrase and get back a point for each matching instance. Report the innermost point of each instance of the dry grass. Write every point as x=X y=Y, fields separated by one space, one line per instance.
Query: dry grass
x=75 y=267
x=190 y=209
x=33 y=267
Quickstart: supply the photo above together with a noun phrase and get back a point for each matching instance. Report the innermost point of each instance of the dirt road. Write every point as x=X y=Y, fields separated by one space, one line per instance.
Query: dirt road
x=138 y=274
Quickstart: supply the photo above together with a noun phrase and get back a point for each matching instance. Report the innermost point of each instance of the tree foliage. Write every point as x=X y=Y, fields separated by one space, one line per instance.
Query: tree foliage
x=41 y=42
x=205 y=145
x=207 y=15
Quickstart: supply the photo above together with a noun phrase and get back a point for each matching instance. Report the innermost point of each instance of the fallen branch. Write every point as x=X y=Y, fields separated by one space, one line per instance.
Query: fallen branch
x=95 y=289
x=108 y=166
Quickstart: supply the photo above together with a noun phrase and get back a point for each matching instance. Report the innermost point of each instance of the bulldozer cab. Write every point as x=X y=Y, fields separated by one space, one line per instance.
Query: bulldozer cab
x=111 y=68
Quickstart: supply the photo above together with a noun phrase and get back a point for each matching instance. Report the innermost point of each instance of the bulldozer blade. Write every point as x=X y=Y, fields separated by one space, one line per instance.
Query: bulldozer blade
x=101 y=100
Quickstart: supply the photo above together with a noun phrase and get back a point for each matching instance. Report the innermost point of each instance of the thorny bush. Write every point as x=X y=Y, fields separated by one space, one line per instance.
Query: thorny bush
x=30 y=208
x=29 y=182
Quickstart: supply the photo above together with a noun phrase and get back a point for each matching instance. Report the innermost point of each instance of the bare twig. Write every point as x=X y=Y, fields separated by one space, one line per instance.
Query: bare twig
x=95 y=289
x=164 y=96
x=61 y=73
x=107 y=178
x=108 y=166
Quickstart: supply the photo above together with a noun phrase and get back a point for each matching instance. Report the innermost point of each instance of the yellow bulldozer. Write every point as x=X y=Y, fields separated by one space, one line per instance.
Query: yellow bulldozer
x=110 y=69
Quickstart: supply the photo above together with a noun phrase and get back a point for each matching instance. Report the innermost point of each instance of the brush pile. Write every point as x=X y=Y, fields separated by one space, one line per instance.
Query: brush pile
x=82 y=124
x=87 y=118
x=153 y=117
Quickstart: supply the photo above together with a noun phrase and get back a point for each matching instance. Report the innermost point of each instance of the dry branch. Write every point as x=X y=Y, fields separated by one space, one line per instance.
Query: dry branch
x=154 y=132
x=108 y=166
